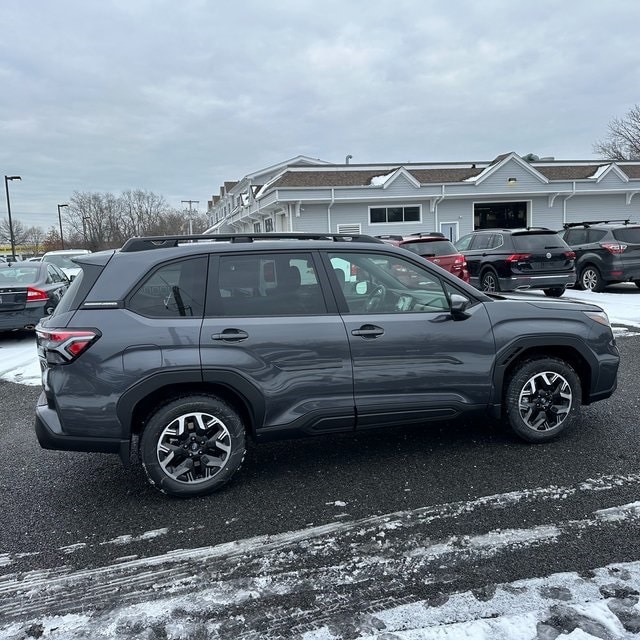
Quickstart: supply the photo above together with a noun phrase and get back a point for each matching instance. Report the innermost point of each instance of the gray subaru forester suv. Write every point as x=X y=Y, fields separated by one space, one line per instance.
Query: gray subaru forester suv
x=188 y=346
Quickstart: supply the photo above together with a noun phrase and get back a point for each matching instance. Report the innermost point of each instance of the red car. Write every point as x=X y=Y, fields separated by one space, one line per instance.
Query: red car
x=435 y=248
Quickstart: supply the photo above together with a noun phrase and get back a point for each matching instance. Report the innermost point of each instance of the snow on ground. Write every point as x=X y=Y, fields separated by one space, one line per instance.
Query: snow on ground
x=19 y=361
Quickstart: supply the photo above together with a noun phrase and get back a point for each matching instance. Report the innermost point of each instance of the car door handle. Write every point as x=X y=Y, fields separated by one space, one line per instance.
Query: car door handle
x=230 y=335
x=368 y=331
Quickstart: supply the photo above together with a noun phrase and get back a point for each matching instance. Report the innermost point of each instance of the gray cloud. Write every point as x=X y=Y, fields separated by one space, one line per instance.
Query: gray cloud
x=178 y=97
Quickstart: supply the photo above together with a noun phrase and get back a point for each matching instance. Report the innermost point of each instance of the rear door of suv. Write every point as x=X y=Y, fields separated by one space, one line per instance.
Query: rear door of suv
x=270 y=332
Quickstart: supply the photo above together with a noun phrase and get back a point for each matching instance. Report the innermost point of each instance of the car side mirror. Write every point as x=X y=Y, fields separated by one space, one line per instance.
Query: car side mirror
x=459 y=306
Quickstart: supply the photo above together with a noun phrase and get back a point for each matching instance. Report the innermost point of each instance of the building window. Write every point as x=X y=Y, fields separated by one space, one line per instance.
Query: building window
x=386 y=215
x=257 y=227
x=268 y=225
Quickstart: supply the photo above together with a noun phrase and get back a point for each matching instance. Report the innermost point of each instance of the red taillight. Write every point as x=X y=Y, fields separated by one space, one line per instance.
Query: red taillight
x=34 y=295
x=518 y=257
x=68 y=344
x=570 y=255
x=459 y=264
x=614 y=247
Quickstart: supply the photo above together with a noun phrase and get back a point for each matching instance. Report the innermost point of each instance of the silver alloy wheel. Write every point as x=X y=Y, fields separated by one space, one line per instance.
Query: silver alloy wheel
x=489 y=282
x=589 y=279
x=545 y=401
x=194 y=447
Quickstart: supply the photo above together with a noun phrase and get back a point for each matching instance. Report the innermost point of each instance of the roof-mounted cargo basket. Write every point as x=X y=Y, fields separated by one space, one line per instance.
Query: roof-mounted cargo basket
x=162 y=242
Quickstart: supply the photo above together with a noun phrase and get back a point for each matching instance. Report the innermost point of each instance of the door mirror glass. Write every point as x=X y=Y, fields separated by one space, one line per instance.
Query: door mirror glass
x=362 y=288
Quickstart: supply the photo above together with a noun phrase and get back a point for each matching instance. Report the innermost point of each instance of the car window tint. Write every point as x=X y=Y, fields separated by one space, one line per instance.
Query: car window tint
x=537 y=242
x=594 y=235
x=631 y=235
x=431 y=248
x=463 y=243
x=379 y=283
x=265 y=285
x=482 y=241
x=173 y=290
x=577 y=236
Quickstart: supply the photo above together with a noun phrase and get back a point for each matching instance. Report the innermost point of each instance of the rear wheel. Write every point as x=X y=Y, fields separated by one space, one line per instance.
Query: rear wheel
x=543 y=399
x=555 y=292
x=489 y=282
x=590 y=279
x=192 y=445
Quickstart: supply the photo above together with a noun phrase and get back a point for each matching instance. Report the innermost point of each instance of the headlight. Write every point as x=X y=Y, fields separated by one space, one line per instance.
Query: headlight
x=599 y=316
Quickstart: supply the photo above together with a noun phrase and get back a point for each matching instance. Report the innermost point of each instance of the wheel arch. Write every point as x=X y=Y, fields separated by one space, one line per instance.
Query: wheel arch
x=136 y=405
x=512 y=357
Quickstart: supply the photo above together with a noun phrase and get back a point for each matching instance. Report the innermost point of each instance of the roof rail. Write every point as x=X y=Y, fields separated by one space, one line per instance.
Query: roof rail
x=390 y=237
x=163 y=242
x=588 y=223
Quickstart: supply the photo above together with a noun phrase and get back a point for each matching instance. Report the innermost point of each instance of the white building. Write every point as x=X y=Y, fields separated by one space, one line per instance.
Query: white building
x=306 y=194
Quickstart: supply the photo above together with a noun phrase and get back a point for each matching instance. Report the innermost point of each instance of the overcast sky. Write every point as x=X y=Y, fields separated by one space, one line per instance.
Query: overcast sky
x=177 y=97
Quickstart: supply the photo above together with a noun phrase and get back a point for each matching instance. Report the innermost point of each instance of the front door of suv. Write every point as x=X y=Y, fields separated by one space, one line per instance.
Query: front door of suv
x=411 y=360
x=269 y=334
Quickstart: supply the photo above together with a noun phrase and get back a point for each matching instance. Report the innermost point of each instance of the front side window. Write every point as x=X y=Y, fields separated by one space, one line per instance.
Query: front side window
x=379 y=283
x=260 y=285
x=463 y=243
x=173 y=290
x=382 y=215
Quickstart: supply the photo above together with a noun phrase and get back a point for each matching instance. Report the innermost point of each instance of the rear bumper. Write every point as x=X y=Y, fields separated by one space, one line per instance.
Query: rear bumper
x=537 y=282
x=51 y=436
x=27 y=317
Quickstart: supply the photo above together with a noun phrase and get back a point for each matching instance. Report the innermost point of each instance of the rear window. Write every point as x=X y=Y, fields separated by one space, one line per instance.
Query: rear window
x=435 y=248
x=630 y=234
x=538 y=242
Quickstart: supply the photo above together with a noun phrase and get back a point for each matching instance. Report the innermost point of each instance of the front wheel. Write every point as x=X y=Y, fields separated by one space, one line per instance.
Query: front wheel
x=543 y=399
x=192 y=445
x=554 y=292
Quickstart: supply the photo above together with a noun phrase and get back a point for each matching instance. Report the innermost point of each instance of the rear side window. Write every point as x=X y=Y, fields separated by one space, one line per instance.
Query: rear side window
x=538 y=242
x=576 y=236
x=631 y=235
x=482 y=241
x=263 y=285
x=595 y=235
x=173 y=290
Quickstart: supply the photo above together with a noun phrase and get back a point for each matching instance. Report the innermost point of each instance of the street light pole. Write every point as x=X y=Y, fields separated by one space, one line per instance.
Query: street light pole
x=60 y=221
x=11 y=238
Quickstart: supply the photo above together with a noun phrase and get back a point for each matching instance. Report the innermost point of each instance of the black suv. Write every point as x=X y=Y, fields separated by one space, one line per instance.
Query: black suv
x=607 y=251
x=510 y=259
x=187 y=346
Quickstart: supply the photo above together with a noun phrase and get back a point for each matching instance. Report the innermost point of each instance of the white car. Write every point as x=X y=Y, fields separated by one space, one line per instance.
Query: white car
x=62 y=259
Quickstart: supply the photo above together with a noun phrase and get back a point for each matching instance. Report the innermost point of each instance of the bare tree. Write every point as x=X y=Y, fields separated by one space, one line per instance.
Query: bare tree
x=20 y=232
x=623 y=139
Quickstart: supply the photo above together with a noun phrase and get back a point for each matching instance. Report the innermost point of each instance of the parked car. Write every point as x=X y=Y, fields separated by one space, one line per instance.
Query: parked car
x=510 y=259
x=190 y=345
x=63 y=259
x=34 y=259
x=435 y=248
x=607 y=251
x=28 y=292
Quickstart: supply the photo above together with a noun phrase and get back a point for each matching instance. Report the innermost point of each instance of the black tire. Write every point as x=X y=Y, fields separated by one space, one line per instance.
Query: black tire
x=542 y=399
x=489 y=281
x=590 y=279
x=637 y=283
x=207 y=439
x=555 y=292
